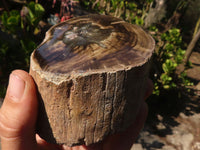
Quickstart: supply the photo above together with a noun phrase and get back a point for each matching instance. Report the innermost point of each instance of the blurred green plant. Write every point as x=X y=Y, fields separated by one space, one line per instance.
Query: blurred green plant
x=17 y=21
x=168 y=56
x=31 y=15
x=22 y=25
x=170 y=47
x=18 y=27
x=10 y=21
x=131 y=11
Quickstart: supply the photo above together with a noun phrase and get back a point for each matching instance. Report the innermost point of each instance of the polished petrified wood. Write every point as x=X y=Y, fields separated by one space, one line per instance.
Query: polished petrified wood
x=91 y=74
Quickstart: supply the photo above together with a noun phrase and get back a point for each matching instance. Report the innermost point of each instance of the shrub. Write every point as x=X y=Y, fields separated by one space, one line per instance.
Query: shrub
x=169 y=54
x=17 y=27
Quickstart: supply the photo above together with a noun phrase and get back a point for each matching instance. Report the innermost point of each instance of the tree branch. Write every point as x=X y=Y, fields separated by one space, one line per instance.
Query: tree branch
x=191 y=46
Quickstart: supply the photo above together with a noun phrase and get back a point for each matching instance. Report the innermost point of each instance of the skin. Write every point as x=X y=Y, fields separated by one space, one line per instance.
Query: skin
x=18 y=116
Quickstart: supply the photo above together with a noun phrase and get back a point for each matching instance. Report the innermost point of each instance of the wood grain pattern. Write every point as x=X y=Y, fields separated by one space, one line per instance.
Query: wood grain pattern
x=93 y=43
x=91 y=74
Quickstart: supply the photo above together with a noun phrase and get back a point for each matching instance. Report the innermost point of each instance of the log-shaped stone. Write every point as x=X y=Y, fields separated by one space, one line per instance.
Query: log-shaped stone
x=91 y=74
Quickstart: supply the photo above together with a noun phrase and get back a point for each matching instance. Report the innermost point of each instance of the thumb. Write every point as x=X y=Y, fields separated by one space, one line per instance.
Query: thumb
x=18 y=113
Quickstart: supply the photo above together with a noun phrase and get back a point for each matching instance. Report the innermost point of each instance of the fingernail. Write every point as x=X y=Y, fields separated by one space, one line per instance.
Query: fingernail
x=16 y=87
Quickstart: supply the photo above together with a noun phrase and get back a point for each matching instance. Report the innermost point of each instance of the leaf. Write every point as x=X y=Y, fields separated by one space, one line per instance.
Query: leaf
x=12 y=20
x=169 y=47
x=36 y=12
x=132 y=5
x=14 y=13
x=31 y=6
x=166 y=86
x=164 y=67
x=4 y=18
x=31 y=16
x=39 y=10
x=122 y=4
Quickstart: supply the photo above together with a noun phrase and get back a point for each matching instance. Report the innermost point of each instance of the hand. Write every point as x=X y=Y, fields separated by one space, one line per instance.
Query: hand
x=18 y=116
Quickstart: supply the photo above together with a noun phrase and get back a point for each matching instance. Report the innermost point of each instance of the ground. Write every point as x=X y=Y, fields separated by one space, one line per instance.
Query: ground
x=174 y=124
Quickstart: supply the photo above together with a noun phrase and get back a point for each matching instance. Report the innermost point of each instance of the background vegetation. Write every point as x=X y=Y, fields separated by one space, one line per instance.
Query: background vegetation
x=23 y=24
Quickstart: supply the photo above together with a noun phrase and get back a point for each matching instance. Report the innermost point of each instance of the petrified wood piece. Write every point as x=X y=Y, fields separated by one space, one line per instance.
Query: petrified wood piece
x=91 y=74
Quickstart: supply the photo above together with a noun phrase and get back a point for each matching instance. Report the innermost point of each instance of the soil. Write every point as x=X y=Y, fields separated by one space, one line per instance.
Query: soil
x=173 y=122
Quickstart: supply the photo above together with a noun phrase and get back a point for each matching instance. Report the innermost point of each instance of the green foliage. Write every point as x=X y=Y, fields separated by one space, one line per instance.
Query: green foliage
x=18 y=27
x=130 y=11
x=137 y=20
x=10 y=21
x=21 y=25
x=28 y=18
x=168 y=56
x=170 y=47
x=13 y=22
x=35 y=13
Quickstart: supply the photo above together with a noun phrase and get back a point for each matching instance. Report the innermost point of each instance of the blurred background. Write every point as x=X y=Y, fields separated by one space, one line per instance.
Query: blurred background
x=174 y=24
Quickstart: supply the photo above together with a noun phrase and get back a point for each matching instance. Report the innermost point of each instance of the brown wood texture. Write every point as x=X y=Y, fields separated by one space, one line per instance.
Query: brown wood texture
x=91 y=74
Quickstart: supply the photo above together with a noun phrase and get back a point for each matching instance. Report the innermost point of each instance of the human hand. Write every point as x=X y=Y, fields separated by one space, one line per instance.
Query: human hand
x=18 y=116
